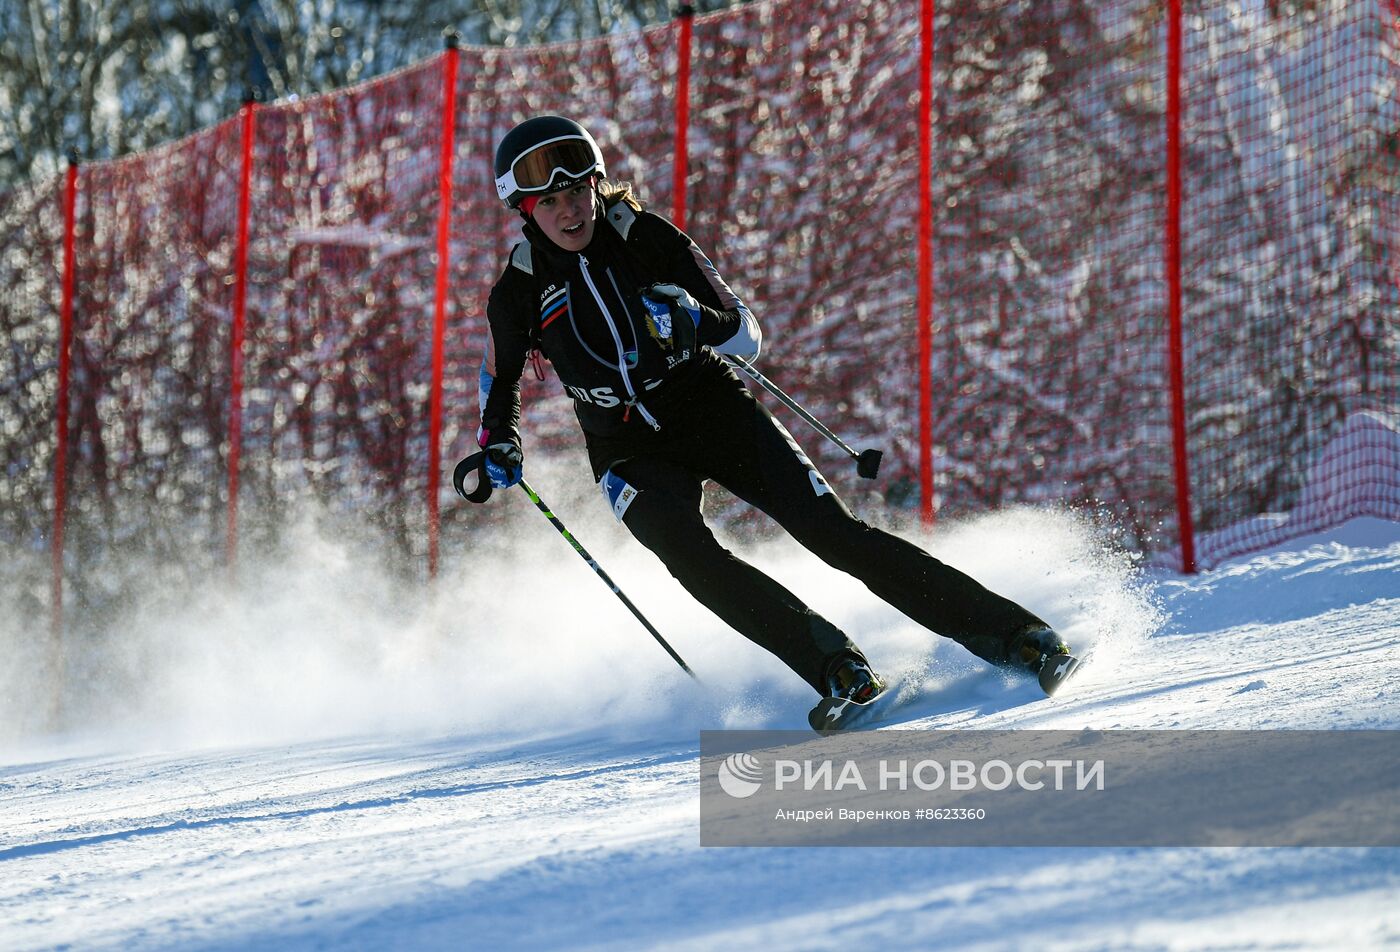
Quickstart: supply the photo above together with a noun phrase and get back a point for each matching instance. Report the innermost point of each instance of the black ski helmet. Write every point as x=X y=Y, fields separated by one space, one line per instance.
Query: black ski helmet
x=544 y=154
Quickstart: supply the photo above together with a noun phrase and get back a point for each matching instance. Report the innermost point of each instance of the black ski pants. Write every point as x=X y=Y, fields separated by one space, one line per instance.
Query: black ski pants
x=724 y=434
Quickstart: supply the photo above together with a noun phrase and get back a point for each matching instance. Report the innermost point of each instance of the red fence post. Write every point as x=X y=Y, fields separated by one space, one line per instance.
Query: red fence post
x=65 y=349
x=925 y=262
x=681 y=171
x=1173 y=270
x=449 y=135
x=240 y=297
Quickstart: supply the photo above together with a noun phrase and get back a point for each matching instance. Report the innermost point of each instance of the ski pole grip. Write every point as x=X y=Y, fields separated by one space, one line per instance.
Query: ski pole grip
x=482 y=492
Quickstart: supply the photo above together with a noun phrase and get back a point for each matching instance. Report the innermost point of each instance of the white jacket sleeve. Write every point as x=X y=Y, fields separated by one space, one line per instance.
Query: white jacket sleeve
x=747 y=340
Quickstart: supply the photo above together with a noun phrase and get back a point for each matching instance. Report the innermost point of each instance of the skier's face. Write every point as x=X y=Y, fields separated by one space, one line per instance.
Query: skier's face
x=566 y=217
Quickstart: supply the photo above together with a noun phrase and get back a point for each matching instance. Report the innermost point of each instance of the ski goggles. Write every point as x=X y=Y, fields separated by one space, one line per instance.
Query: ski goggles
x=556 y=163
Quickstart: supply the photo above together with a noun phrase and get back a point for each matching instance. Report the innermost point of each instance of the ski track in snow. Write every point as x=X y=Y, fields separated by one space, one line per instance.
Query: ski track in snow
x=551 y=837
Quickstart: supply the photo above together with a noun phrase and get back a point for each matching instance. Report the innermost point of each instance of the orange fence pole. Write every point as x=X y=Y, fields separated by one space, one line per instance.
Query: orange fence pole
x=1173 y=274
x=449 y=128
x=687 y=16
x=925 y=262
x=65 y=351
x=240 y=297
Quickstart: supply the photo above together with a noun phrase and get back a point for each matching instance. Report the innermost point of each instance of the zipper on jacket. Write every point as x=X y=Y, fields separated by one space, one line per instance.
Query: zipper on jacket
x=621 y=351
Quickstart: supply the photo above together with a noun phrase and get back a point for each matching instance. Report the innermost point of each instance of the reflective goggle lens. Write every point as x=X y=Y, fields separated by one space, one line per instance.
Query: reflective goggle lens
x=535 y=170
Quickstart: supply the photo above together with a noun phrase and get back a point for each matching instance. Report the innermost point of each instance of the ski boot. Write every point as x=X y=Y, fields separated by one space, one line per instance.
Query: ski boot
x=853 y=680
x=1029 y=649
x=855 y=696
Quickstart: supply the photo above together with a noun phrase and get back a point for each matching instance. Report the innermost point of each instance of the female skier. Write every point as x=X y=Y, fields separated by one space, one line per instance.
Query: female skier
x=634 y=317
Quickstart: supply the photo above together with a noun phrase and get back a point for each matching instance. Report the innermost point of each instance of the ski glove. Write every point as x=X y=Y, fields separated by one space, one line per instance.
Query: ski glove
x=505 y=464
x=675 y=296
x=675 y=315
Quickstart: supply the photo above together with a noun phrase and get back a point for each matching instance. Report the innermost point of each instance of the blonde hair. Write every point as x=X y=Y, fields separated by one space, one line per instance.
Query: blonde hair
x=613 y=192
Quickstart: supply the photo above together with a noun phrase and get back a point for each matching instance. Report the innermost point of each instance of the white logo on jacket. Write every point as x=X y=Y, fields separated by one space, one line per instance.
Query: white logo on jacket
x=603 y=396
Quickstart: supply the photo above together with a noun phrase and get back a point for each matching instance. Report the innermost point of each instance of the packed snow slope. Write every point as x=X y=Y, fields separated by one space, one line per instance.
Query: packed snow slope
x=315 y=762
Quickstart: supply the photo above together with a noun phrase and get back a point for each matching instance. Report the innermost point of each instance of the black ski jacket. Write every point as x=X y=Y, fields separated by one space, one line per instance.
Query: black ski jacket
x=624 y=368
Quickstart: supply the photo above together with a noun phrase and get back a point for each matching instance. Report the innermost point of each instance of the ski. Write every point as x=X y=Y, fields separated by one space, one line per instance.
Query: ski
x=1056 y=670
x=833 y=714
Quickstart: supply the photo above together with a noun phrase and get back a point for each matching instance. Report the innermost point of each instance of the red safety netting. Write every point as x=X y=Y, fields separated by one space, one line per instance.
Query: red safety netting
x=31 y=261
x=150 y=361
x=1051 y=294
x=1050 y=308
x=1291 y=173
x=343 y=212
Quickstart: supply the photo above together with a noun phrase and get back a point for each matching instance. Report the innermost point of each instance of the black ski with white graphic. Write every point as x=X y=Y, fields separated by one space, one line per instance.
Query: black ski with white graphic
x=834 y=714
x=1042 y=652
x=1056 y=670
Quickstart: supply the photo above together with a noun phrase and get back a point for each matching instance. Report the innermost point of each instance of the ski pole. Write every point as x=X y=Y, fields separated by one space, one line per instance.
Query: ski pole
x=477 y=461
x=867 y=461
